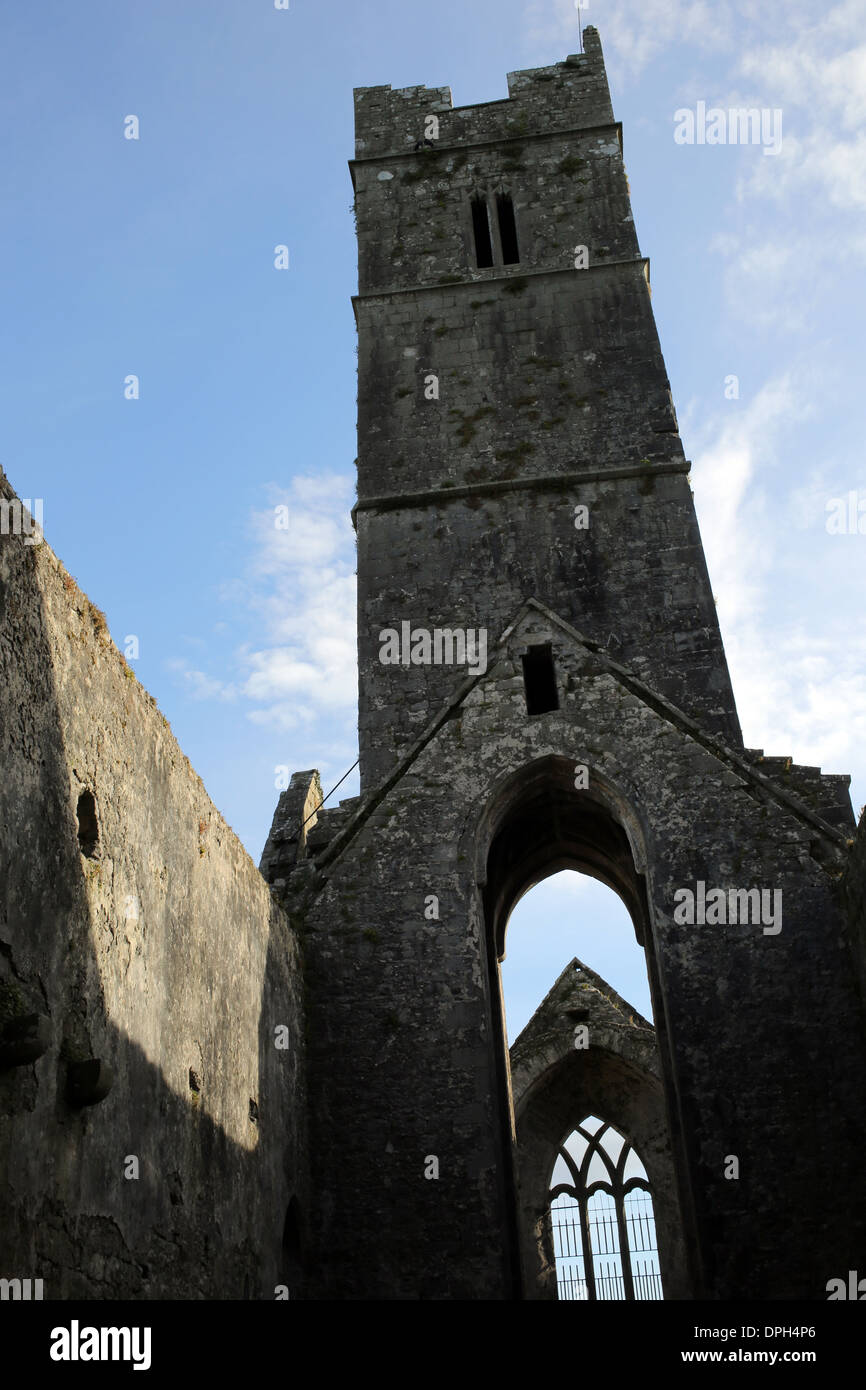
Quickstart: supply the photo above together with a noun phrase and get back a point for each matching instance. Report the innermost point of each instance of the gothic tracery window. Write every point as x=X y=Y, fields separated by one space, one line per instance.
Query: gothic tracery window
x=602 y=1216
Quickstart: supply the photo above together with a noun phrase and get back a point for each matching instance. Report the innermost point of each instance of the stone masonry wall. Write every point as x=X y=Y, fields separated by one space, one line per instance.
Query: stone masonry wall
x=146 y=944
x=560 y=97
x=761 y=1034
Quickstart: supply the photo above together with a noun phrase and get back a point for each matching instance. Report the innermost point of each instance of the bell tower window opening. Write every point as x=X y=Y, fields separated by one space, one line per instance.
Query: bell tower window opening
x=507 y=229
x=481 y=229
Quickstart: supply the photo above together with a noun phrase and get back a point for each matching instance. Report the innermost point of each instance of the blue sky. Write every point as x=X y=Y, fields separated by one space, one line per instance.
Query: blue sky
x=155 y=257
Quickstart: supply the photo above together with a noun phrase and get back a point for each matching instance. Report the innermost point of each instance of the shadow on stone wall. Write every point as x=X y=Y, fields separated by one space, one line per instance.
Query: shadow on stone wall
x=105 y=942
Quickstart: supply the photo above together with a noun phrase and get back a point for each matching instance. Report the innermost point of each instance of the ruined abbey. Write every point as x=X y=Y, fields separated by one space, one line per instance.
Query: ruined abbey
x=227 y=1081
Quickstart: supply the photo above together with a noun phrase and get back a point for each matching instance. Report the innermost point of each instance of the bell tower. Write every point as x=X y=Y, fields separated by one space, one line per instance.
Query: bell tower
x=517 y=436
x=543 y=685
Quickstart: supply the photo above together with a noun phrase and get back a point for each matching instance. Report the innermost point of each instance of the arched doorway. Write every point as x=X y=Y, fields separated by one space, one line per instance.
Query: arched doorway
x=564 y=915
x=547 y=817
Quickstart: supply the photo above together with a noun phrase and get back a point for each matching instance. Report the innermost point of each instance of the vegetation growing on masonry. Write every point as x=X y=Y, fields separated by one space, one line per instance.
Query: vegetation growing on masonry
x=468 y=427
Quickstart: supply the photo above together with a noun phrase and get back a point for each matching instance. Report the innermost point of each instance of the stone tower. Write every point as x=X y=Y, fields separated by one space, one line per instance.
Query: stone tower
x=543 y=685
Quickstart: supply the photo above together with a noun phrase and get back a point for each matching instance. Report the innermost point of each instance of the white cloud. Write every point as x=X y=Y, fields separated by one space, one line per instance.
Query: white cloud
x=817 y=75
x=820 y=162
x=286 y=716
x=298 y=598
x=803 y=70
x=777 y=279
x=732 y=507
x=201 y=686
x=302 y=587
x=298 y=595
x=799 y=682
x=634 y=34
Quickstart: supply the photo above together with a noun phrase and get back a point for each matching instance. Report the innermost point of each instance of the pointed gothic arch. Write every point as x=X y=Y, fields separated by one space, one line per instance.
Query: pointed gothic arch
x=540 y=820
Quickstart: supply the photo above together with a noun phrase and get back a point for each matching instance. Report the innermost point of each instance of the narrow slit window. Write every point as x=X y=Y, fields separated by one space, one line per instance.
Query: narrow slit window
x=481 y=228
x=539 y=680
x=88 y=825
x=507 y=229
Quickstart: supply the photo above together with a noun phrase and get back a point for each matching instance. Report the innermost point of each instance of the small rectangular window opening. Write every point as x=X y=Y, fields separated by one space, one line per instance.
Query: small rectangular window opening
x=539 y=680
x=481 y=228
x=507 y=229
